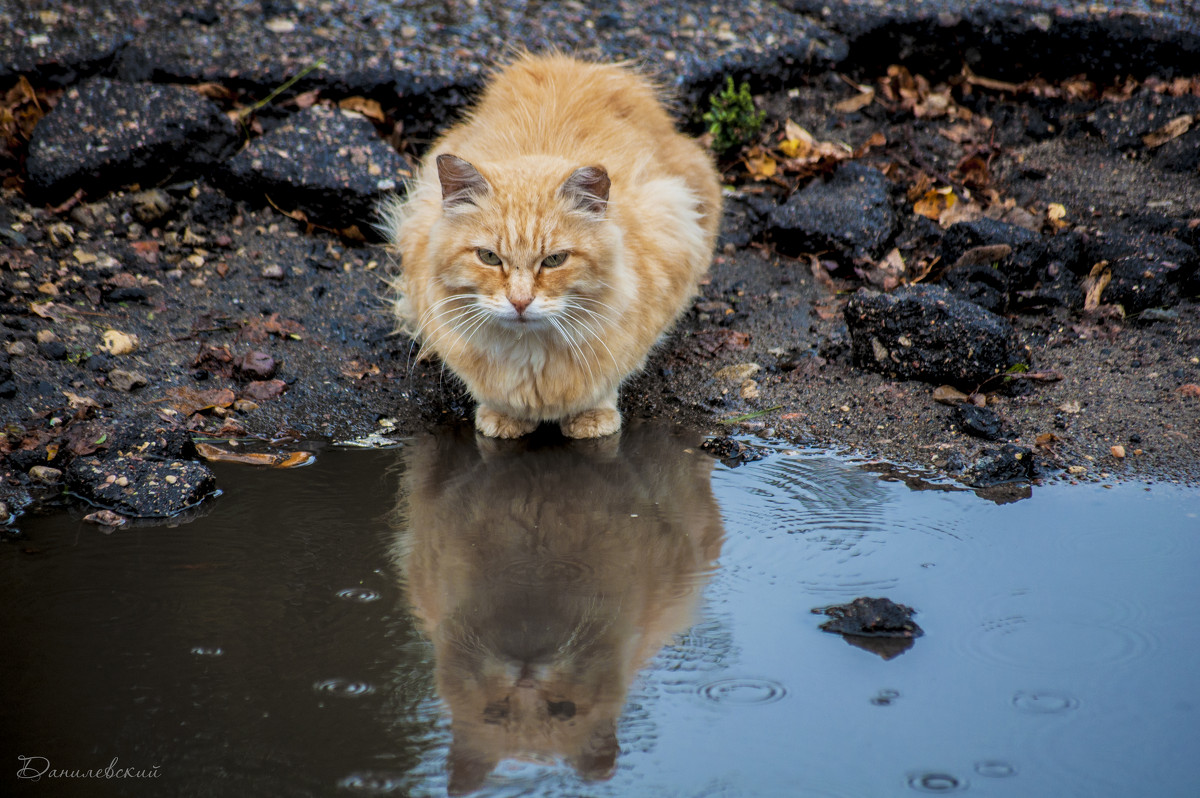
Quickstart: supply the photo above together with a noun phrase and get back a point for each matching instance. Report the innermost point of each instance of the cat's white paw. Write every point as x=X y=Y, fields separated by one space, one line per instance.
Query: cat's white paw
x=593 y=423
x=495 y=424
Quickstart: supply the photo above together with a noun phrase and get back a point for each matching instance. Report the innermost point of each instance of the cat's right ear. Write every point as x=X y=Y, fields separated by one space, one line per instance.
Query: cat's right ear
x=461 y=183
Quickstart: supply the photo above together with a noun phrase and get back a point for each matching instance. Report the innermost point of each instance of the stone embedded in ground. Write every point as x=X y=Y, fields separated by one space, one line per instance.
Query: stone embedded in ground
x=744 y=219
x=980 y=422
x=927 y=333
x=105 y=134
x=1147 y=270
x=987 y=282
x=331 y=166
x=871 y=617
x=1123 y=124
x=1009 y=463
x=850 y=214
x=138 y=488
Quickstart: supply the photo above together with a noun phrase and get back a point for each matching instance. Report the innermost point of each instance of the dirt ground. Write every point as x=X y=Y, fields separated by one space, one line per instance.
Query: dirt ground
x=237 y=322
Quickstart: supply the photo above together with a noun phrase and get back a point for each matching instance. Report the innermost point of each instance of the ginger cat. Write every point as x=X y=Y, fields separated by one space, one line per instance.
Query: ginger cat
x=549 y=240
x=546 y=573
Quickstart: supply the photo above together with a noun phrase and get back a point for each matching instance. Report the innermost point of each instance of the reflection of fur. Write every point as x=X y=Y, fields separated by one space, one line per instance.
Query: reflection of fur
x=546 y=574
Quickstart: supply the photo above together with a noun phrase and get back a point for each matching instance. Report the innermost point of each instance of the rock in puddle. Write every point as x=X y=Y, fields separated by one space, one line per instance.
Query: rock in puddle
x=878 y=625
x=1009 y=463
x=137 y=488
x=104 y=134
x=927 y=333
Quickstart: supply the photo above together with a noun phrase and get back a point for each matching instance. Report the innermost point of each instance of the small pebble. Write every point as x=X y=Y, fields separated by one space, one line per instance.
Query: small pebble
x=1118 y=451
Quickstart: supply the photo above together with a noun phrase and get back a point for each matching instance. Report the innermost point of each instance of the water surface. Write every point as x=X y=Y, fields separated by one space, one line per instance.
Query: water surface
x=590 y=619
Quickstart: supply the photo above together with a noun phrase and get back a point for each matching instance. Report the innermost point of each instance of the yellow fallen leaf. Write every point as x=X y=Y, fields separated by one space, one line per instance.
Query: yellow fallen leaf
x=1094 y=285
x=935 y=201
x=119 y=343
x=1056 y=210
x=217 y=454
x=761 y=166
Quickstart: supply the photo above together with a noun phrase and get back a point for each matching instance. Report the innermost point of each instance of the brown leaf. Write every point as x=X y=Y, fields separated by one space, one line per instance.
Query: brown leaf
x=214 y=91
x=219 y=454
x=186 y=400
x=214 y=359
x=948 y=395
x=935 y=201
x=1190 y=390
x=357 y=371
x=1094 y=284
x=371 y=109
x=256 y=364
x=710 y=342
x=263 y=390
x=980 y=256
x=856 y=103
x=1173 y=129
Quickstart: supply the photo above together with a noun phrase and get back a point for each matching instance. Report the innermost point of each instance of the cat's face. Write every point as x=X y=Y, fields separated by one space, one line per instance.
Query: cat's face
x=524 y=246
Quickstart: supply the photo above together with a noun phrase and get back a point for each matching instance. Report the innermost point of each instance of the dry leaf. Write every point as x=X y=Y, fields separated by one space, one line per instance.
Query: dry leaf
x=1190 y=390
x=188 y=400
x=1094 y=284
x=855 y=103
x=105 y=518
x=77 y=401
x=935 y=201
x=218 y=454
x=1173 y=129
x=948 y=395
x=371 y=109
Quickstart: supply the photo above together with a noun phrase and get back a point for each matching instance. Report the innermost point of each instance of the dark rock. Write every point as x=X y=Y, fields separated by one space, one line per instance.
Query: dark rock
x=871 y=617
x=732 y=452
x=1124 y=123
x=927 y=333
x=981 y=422
x=1009 y=463
x=104 y=134
x=53 y=350
x=66 y=45
x=133 y=293
x=1147 y=270
x=151 y=439
x=745 y=219
x=332 y=167
x=100 y=362
x=988 y=283
x=138 y=488
x=1011 y=40
x=850 y=214
x=1180 y=154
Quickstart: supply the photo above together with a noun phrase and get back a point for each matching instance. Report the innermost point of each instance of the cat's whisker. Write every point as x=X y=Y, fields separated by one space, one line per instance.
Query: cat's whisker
x=594 y=334
x=558 y=325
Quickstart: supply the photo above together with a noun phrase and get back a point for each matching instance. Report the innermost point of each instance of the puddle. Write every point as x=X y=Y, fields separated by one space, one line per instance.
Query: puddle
x=604 y=620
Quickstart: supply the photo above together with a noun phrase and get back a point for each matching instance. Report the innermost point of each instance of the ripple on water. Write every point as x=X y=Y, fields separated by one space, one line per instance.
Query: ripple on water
x=995 y=769
x=208 y=651
x=1050 y=645
x=537 y=572
x=937 y=781
x=360 y=594
x=375 y=783
x=1044 y=702
x=743 y=691
x=344 y=688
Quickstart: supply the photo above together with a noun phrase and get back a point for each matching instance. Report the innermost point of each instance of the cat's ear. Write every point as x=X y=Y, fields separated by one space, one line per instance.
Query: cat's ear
x=587 y=190
x=461 y=182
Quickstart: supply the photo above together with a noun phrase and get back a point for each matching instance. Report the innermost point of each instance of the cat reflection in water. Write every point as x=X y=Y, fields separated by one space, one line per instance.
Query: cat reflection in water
x=546 y=573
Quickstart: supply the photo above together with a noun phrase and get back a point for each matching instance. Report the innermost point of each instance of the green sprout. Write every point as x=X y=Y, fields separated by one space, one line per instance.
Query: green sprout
x=732 y=118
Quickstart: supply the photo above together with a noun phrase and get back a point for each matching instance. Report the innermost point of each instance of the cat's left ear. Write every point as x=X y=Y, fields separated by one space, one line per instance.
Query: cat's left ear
x=461 y=182
x=587 y=190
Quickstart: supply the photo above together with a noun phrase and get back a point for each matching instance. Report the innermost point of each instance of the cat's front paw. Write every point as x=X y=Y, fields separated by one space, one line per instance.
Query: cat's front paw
x=495 y=424
x=593 y=423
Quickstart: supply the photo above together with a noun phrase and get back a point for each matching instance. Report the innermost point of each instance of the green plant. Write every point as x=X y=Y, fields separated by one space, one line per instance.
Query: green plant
x=732 y=118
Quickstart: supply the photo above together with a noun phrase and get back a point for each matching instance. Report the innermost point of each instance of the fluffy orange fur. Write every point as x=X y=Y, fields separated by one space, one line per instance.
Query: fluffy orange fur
x=550 y=239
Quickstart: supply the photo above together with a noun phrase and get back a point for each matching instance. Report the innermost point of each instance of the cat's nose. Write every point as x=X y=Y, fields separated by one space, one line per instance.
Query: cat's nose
x=519 y=303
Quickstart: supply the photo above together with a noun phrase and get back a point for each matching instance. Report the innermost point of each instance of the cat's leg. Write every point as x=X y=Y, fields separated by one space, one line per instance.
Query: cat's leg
x=594 y=423
x=495 y=424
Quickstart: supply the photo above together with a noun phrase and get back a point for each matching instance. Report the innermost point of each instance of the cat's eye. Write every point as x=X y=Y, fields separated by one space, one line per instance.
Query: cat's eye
x=488 y=257
x=550 y=261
